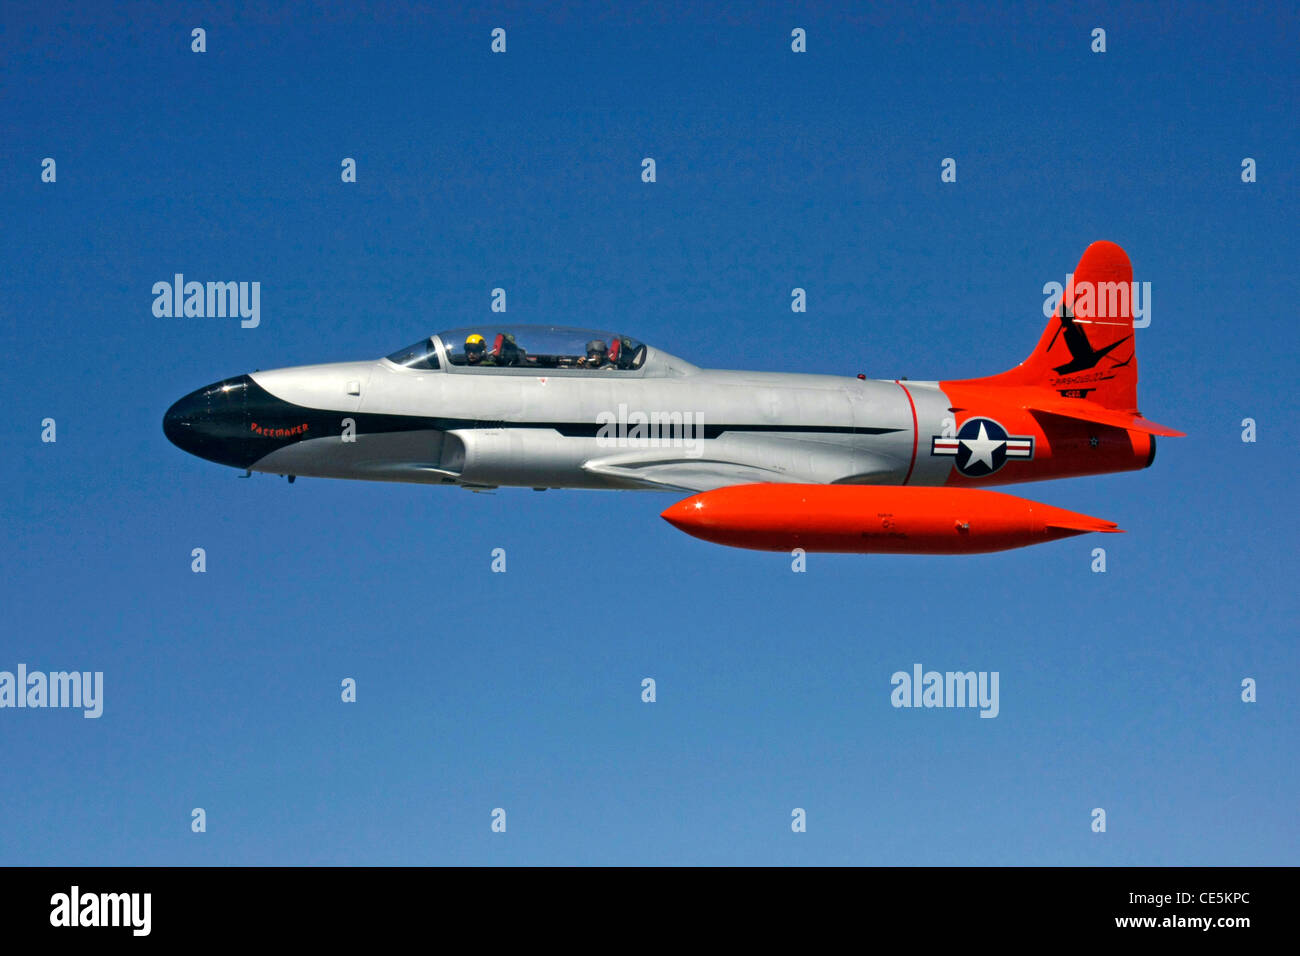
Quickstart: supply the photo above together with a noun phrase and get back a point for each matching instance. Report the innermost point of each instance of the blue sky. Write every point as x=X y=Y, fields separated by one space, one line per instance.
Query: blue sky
x=522 y=690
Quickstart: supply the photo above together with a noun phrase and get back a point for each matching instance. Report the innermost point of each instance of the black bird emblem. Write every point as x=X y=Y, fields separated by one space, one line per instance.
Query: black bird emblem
x=1082 y=355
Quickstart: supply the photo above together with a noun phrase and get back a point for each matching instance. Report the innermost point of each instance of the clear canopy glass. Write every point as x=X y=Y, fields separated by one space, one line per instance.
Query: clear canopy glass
x=540 y=347
x=422 y=354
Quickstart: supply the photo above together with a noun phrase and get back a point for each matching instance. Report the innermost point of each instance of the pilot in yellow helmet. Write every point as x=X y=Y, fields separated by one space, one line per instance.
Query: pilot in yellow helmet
x=476 y=350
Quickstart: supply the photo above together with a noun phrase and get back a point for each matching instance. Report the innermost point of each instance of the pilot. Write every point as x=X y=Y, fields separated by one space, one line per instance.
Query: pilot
x=476 y=351
x=597 y=355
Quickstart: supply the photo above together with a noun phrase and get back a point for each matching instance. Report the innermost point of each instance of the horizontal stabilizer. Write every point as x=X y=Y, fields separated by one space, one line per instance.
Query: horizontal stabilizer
x=1091 y=412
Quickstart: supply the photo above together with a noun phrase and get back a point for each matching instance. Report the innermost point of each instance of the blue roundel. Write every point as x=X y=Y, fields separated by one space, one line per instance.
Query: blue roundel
x=981 y=447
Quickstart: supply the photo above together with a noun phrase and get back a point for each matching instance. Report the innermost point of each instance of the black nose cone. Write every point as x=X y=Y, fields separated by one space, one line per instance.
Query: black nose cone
x=181 y=419
x=213 y=423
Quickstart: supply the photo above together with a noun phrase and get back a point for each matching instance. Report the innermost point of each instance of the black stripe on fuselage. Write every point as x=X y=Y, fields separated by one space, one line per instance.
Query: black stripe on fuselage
x=587 y=430
x=381 y=422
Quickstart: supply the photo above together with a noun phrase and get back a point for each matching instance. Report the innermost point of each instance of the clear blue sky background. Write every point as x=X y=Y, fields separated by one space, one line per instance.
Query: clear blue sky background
x=522 y=690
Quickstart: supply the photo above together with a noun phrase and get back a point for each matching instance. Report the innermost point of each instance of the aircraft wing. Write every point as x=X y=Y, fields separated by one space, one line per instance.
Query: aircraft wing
x=685 y=474
x=673 y=471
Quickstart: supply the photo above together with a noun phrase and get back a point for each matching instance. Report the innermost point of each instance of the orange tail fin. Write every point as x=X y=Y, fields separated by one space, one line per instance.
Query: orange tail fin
x=1088 y=349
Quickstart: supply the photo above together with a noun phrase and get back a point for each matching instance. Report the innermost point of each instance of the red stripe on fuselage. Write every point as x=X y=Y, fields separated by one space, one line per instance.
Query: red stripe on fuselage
x=915 y=429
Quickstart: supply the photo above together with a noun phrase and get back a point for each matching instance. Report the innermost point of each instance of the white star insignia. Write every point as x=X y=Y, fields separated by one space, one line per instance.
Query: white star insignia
x=982 y=448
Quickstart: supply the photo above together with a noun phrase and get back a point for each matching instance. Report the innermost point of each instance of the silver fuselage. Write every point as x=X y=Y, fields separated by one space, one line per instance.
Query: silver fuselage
x=507 y=426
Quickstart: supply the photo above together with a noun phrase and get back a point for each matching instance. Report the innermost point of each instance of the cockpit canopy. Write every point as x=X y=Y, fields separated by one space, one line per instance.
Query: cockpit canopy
x=548 y=347
x=423 y=354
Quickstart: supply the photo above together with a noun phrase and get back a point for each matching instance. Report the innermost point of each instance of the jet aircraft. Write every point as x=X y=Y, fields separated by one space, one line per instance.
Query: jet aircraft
x=776 y=461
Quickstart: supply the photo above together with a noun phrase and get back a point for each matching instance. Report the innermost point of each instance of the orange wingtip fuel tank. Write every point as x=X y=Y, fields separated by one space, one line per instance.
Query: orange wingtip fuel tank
x=874 y=519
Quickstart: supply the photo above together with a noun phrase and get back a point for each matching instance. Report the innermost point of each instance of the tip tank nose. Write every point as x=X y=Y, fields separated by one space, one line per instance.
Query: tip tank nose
x=687 y=514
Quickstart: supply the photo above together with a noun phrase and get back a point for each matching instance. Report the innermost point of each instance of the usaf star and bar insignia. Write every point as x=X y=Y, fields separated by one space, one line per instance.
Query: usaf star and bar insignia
x=982 y=446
